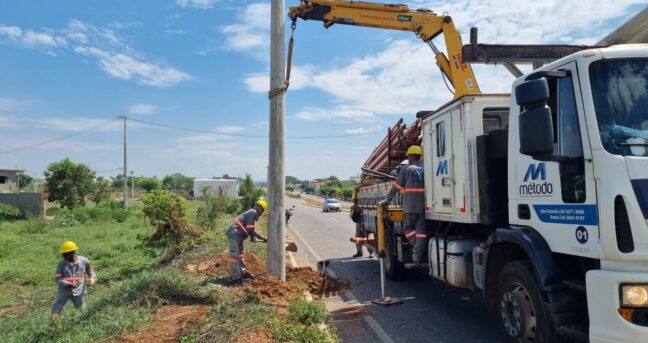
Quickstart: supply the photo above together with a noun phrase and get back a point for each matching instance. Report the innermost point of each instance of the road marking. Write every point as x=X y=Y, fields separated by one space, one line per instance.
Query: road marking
x=373 y=324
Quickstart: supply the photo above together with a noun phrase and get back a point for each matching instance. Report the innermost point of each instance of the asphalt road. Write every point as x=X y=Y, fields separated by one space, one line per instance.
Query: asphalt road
x=431 y=311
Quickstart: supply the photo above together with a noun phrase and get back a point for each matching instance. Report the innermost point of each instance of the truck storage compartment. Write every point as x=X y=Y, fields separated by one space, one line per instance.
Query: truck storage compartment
x=454 y=264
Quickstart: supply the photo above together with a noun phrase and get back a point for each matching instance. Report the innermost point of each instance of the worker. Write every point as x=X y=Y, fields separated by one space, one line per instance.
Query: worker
x=70 y=277
x=241 y=228
x=410 y=184
x=356 y=216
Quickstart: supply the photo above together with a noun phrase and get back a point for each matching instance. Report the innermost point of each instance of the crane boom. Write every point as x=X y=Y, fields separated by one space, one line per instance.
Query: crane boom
x=424 y=23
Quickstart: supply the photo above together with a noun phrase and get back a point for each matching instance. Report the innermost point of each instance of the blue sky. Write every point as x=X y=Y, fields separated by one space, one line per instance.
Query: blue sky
x=69 y=66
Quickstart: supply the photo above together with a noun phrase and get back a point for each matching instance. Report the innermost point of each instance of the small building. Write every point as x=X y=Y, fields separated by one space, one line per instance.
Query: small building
x=9 y=180
x=225 y=187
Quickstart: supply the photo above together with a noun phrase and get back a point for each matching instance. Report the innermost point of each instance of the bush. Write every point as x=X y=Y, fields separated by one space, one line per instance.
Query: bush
x=167 y=213
x=307 y=313
x=213 y=205
x=35 y=224
x=66 y=218
x=104 y=212
x=9 y=212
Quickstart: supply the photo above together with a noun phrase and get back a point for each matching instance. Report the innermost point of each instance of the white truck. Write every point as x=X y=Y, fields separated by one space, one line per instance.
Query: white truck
x=540 y=199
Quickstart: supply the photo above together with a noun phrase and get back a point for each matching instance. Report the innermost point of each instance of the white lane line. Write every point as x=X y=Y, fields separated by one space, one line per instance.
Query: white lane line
x=373 y=324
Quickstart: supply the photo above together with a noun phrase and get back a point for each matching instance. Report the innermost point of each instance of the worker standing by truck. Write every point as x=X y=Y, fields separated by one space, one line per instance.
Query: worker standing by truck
x=70 y=277
x=242 y=228
x=356 y=216
x=411 y=185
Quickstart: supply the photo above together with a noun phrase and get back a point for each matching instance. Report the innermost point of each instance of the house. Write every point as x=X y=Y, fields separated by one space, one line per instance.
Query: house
x=9 y=180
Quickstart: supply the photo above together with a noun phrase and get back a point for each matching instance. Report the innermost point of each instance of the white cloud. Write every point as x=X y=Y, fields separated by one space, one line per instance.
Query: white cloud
x=76 y=124
x=13 y=32
x=359 y=130
x=252 y=32
x=314 y=114
x=8 y=121
x=7 y=104
x=201 y=4
x=126 y=67
x=229 y=129
x=141 y=109
x=114 y=56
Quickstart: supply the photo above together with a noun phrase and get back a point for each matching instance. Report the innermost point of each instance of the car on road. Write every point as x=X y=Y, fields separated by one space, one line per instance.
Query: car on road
x=331 y=205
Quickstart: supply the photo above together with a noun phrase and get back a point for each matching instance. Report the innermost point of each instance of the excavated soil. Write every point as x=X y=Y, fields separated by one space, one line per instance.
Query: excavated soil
x=171 y=322
x=270 y=287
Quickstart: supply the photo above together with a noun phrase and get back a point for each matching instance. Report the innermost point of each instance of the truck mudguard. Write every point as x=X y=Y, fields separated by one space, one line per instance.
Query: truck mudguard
x=536 y=249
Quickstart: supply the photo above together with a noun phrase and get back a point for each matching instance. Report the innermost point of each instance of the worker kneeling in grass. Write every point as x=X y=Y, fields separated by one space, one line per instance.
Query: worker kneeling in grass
x=70 y=277
x=242 y=228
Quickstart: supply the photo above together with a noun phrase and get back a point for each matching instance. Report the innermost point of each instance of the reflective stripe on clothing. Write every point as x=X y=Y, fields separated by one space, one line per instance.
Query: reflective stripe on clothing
x=241 y=226
x=74 y=278
x=414 y=190
x=397 y=185
x=410 y=234
x=421 y=235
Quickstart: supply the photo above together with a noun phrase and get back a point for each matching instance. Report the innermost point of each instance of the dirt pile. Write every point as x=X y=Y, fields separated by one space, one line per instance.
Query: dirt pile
x=171 y=322
x=218 y=265
x=269 y=287
x=319 y=285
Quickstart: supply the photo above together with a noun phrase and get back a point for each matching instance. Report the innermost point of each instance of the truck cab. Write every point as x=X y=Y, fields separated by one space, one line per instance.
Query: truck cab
x=578 y=169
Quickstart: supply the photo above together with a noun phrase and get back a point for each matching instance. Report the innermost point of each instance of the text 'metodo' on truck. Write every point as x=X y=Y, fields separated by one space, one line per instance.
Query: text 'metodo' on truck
x=540 y=198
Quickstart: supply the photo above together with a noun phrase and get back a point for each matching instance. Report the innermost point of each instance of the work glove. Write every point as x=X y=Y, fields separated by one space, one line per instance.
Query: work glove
x=92 y=281
x=70 y=284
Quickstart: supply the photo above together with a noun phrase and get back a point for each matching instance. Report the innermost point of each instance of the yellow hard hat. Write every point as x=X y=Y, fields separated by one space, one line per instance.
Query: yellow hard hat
x=414 y=150
x=263 y=204
x=68 y=246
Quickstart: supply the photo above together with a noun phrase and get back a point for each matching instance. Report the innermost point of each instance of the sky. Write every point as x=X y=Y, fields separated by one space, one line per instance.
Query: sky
x=69 y=69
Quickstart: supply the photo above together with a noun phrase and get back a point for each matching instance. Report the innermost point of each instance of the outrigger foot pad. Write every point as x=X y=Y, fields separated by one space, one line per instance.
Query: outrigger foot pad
x=387 y=301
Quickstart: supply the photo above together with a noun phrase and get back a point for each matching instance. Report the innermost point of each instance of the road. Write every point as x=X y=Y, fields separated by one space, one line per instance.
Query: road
x=431 y=311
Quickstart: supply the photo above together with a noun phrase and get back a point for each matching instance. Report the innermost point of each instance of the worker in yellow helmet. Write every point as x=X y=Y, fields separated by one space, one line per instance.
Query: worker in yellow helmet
x=356 y=216
x=410 y=184
x=70 y=277
x=241 y=228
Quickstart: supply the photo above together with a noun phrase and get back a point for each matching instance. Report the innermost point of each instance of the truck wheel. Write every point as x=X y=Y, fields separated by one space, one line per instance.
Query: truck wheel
x=394 y=269
x=522 y=313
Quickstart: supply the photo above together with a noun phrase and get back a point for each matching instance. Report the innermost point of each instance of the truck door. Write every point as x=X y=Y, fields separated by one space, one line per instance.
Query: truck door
x=558 y=197
x=442 y=164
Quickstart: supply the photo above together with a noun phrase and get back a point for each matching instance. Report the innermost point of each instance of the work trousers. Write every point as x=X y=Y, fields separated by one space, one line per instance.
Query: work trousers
x=237 y=264
x=414 y=228
x=62 y=297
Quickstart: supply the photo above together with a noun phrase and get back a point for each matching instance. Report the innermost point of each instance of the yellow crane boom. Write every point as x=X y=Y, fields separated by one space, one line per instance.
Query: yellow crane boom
x=424 y=23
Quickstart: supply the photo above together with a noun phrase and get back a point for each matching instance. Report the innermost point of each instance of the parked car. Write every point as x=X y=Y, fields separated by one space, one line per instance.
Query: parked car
x=331 y=205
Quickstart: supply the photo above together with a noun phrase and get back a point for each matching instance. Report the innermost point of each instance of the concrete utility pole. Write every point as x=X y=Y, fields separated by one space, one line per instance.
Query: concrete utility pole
x=132 y=185
x=276 y=180
x=125 y=167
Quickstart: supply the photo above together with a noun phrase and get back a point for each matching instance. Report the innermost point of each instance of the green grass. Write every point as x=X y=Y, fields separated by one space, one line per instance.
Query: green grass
x=131 y=285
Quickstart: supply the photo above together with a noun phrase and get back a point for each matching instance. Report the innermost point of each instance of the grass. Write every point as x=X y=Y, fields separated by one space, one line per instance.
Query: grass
x=131 y=285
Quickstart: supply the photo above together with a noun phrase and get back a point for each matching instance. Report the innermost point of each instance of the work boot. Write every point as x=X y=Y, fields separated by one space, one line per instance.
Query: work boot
x=358 y=254
x=371 y=254
x=247 y=275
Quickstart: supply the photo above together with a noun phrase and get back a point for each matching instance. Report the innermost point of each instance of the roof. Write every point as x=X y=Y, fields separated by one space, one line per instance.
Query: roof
x=13 y=170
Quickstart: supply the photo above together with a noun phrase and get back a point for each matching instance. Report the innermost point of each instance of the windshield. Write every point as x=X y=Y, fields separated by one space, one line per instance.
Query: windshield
x=332 y=201
x=620 y=92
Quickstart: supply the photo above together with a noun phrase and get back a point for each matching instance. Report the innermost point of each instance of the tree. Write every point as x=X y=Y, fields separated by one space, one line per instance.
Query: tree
x=292 y=179
x=24 y=180
x=178 y=183
x=249 y=192
x=149 y=183
x=100 y=191
x=68 y=182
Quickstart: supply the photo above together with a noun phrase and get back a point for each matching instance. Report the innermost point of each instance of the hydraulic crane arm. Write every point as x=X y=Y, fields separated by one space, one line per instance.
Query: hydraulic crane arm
x=424 y=23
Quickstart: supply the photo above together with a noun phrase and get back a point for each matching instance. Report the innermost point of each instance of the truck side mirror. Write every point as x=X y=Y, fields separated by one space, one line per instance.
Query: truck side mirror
x=535 y=124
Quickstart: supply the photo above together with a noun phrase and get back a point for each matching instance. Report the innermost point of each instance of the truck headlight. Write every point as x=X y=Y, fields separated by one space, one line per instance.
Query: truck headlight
x=635 y=295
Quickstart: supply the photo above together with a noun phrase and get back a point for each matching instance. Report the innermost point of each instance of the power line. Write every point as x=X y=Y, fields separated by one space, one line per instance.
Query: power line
x=77 y=133
x=247 y=136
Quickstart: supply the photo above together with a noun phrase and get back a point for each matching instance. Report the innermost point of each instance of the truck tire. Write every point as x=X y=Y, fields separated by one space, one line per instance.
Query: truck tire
x=522 y=313
x=394 y=269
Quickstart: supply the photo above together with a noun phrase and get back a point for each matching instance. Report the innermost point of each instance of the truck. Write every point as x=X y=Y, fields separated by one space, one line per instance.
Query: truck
x=538 y=198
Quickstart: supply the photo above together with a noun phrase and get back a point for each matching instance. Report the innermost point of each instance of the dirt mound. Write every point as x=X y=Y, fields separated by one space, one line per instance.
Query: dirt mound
x=319 y=285
x=171 y=322
x=215 y=265
x=271 y=288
